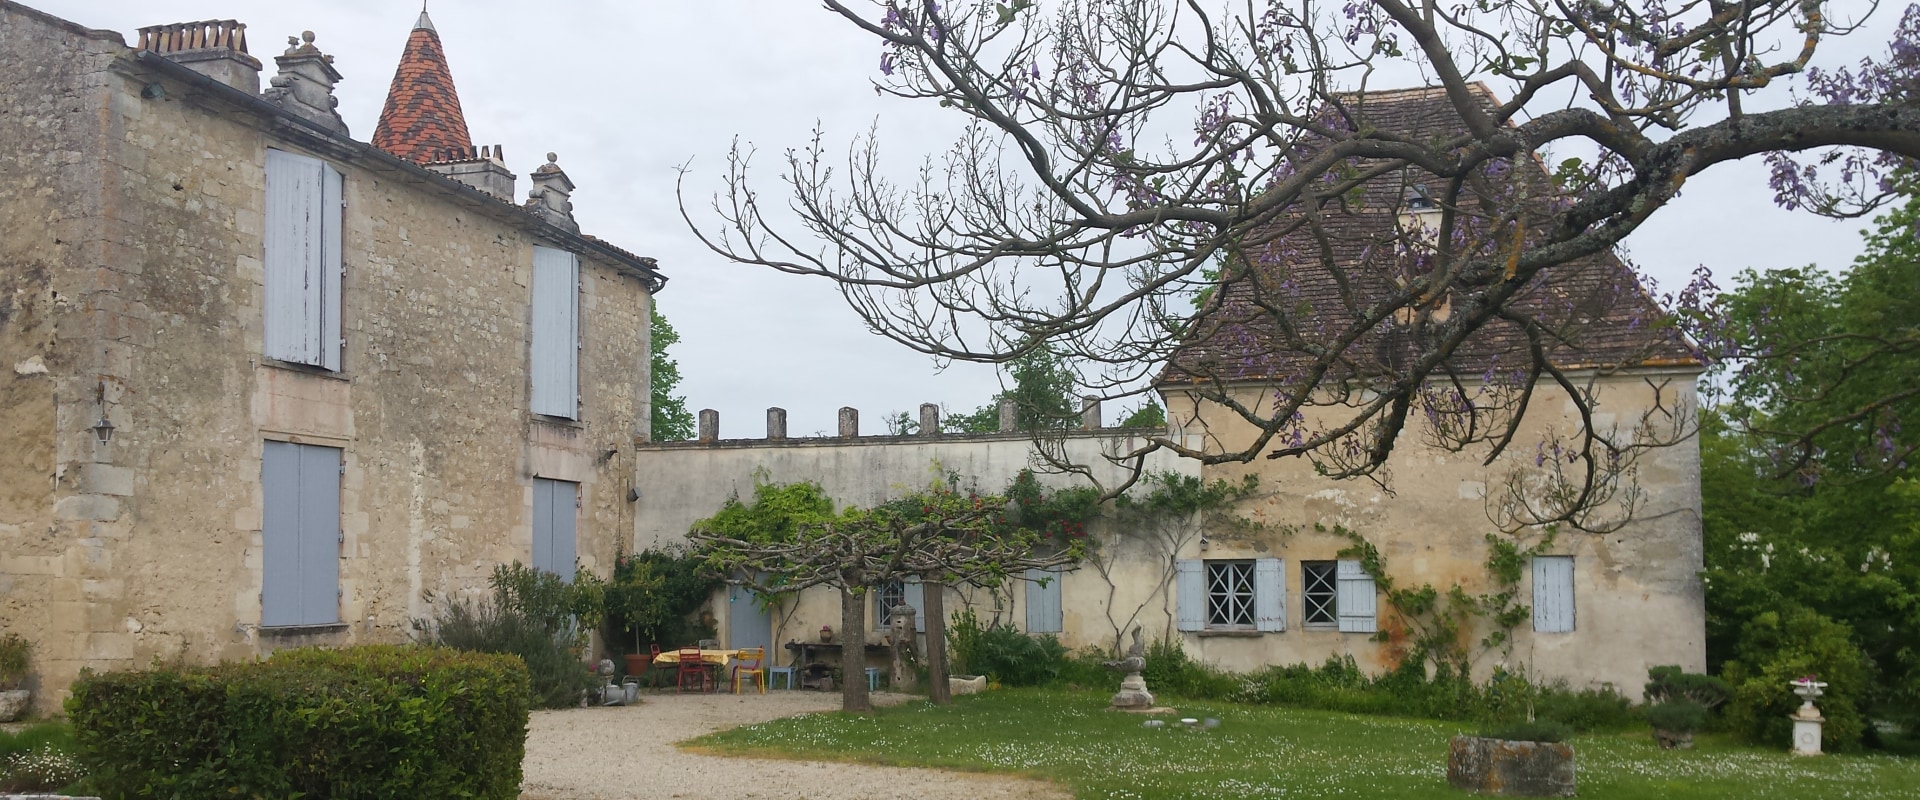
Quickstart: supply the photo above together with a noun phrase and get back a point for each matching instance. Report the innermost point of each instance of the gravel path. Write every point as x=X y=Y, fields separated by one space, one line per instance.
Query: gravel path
x=620 y=753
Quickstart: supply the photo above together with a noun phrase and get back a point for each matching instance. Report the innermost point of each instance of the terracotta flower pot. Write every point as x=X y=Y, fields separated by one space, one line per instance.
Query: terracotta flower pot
x=637 y=663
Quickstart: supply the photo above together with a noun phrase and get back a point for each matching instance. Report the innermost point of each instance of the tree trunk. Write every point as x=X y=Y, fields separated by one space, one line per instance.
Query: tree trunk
x=853 y=653
x=936 y=602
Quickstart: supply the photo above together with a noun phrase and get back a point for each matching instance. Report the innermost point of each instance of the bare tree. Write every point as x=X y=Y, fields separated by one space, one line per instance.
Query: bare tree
x=1369 y=259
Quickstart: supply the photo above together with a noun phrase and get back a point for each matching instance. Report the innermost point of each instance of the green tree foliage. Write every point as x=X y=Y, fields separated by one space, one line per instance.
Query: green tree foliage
x=1042 y=391
x=1148 y=415
x=1777 y=648
x=672 y=422
x=1807 y=491
x=653 y=595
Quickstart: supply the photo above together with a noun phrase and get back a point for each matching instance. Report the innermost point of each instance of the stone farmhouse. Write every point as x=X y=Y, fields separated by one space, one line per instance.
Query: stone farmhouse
x=264 y=384
x=1603 y=606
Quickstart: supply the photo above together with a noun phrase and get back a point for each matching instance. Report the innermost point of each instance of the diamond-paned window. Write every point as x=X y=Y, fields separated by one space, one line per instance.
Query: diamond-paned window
x=1320 y=591
x=1229 y=594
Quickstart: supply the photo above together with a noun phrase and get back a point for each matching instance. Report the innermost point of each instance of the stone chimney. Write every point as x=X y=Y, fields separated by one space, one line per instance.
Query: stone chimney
x=552 y=195
x=215 y=48
x=482 y=168
x=305 y=84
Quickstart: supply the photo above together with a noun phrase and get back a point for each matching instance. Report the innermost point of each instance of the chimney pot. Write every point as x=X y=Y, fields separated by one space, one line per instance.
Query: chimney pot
x=929 y=419
x=776 y=423
x=849 y=422
x=709 y=425
x=215 y=48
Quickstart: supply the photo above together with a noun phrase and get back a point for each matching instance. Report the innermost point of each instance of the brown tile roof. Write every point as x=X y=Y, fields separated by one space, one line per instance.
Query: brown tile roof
x=1304 y=291
x=422 y=120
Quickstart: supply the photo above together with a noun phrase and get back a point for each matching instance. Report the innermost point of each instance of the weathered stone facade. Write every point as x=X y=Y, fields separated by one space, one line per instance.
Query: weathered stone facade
x=131 y=285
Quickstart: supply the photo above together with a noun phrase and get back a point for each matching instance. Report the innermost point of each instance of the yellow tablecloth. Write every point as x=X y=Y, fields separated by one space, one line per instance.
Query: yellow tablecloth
x=715 y=657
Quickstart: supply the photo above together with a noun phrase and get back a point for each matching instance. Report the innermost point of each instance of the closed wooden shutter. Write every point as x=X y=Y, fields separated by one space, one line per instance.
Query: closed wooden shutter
x=302 y=261
x=1553 y=594
x=555 y=506
x=1043 y=601
x=555 y=356
x=300 y=535
x=1190 y=595
x=1355 y=600
x=1269 y=595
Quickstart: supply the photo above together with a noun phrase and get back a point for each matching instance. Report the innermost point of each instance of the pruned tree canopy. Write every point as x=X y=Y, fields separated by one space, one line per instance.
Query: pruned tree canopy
x=1365 y=261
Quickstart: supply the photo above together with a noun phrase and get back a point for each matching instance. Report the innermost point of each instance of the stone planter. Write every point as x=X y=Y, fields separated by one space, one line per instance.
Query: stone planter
x=966 y=684
x=1510 y=769
x=13 y=704
x=1673 y=740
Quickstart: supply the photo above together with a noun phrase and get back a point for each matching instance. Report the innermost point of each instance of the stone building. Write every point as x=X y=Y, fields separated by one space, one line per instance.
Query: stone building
x=1600 y=608
x=262 y=383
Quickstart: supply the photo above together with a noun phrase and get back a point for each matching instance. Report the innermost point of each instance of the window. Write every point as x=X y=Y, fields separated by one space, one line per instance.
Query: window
x=301 y=308
x=893 y=593
x=554 y=360
x=1339 y=595
x=1321 y=593
x=1553 y=594
x=1236 y=595
x=555 y=506
x=1043 y=601
x=300 y=535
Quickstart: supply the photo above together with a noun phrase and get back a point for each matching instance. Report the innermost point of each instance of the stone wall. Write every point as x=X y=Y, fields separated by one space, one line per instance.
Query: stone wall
x=155 y=549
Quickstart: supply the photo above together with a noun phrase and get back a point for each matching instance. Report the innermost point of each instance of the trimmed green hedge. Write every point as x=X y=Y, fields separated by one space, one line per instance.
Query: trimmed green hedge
x=364 y=722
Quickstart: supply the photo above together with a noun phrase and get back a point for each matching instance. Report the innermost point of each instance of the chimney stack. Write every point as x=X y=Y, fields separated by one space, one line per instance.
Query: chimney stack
x=215 y=48
x=305 y=84
x=482 y=168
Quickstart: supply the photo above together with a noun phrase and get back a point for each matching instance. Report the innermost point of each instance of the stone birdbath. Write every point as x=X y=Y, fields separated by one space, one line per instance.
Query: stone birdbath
x=1807 y=720
x=1133 y=695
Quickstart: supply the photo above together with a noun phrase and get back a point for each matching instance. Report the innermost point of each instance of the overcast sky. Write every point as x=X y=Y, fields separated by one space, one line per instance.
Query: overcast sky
x=627 y=91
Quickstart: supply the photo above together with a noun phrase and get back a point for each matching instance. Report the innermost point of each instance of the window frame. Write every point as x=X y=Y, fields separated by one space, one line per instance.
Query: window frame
x=1240 y=592
x=1329 y=590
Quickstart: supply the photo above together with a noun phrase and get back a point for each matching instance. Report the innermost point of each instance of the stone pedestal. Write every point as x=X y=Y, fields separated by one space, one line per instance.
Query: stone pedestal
x=1133 y=693
x=1806 y=734
x=904 y=676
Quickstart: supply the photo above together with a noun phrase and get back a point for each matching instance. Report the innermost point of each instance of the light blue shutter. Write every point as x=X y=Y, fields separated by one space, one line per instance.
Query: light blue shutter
x=295 y=252
x=1269 y=595
x=280 y=535
x=1355 y=599
x=555 y=353
x=300 y=535
x=319 y=534
x=916 y=596
x=1553 y=594
x=1190 y=595
x=328 y=308
x=1043 y=601
x=554 y=512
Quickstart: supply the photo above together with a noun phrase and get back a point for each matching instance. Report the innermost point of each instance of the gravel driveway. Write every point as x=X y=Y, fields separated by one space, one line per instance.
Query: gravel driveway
x=620 y=753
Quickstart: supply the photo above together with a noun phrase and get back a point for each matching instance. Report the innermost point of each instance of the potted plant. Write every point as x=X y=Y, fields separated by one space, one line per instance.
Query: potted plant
x=16 y=654
x=1530 y=759
x=649 y=600
x=1674 y=722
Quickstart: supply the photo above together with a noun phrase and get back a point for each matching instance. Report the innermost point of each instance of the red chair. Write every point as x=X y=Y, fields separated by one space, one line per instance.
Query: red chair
x=691 y=666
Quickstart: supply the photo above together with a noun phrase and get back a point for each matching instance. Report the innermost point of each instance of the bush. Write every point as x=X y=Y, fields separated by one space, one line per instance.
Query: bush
x=16 y=655
x=1170 y=671
x=1003 y=652
x=1545 y=730
x=1676 y=716
x=365 y=722
x=653 y=596
x=1671 y=683
x=1777 y=648
x=532 y=616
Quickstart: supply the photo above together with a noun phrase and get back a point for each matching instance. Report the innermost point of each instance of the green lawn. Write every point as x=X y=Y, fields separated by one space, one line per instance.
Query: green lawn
x=1261 y=751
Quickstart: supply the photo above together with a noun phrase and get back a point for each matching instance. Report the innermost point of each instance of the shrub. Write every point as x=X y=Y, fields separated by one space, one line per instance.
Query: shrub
x=1003 y=652
x=556 y=676
x=365 y=722
x=16 y=655
x=652 y=598
x=1170 y=671
x=1544 y=730
x=1779 y=647
x=1585 y=710
x=1671 y=683
x=1676 y=716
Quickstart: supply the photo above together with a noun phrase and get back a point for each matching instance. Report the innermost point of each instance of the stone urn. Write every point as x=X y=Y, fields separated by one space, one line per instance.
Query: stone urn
x=1807 y=720
x=1510 y=769
x=13 y=703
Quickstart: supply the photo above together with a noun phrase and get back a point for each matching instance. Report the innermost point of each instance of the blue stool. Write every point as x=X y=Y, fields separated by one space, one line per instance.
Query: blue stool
x=789 y=672
x=873 y=678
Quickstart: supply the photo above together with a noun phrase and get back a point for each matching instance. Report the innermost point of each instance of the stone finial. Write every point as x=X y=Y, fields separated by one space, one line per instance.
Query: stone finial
x=849 y=422
x=776 y=423
x=214 y=48
x=709 y=425
x=1009 y=415
x=552 y=195
x=1090 y=413
x=929 y=419
x=305 y=84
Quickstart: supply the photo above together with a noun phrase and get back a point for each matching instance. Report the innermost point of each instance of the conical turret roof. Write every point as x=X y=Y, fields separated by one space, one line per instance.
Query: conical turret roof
x=422 y=121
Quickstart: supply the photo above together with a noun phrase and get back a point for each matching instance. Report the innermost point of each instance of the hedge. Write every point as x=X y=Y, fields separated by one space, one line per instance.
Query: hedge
x=365 y=722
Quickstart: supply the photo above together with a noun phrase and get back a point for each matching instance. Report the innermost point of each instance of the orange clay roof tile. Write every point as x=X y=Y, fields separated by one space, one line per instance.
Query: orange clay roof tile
x=422 y=120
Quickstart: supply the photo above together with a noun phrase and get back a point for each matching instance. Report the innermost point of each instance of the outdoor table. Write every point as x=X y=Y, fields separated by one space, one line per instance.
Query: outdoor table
x=718 y=659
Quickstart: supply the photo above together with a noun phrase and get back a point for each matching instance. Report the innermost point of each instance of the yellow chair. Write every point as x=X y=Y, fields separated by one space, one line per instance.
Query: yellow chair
x=748 y=663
